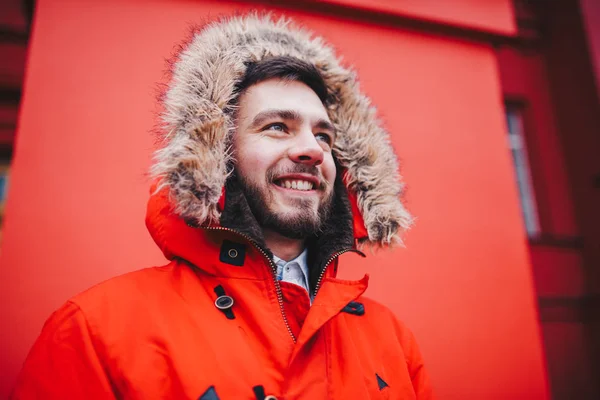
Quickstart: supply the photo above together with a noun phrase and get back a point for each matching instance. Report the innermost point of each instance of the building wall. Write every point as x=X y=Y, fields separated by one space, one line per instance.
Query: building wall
x=556 y=256
x=573 y=75
x=590 y=14
x=552 y=72
x=490 y=16
x=74 y=215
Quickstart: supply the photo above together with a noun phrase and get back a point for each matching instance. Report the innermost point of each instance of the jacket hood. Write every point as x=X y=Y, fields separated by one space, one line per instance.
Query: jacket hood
x=198 y=123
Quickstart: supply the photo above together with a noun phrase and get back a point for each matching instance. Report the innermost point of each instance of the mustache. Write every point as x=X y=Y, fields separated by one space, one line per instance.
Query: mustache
x=274 y=173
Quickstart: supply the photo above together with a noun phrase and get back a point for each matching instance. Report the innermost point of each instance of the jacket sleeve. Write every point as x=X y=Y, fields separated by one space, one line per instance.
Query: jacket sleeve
x=415 y=363
x=63 y=363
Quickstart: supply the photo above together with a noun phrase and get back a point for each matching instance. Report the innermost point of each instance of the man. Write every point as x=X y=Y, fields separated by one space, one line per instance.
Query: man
x=273 y=165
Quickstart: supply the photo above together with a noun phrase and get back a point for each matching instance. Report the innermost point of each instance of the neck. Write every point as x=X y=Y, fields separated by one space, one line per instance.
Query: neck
x=283 y=247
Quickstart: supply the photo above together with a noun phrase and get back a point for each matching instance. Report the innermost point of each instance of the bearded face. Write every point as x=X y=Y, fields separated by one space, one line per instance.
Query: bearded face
x=302 y=218
x=283 y=147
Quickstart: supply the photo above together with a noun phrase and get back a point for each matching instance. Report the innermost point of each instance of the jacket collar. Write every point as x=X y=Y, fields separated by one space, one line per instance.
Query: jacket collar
x=200 y=245
x=337 y=235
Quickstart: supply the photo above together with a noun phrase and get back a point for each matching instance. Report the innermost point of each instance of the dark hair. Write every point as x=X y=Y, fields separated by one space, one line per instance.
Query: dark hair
x=286 y=68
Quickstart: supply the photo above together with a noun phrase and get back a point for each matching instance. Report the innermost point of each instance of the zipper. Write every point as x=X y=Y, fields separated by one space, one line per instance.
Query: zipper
x=273 y=270
x=333 y=257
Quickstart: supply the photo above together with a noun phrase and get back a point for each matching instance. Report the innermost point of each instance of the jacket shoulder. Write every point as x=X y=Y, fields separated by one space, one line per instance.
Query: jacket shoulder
x=135 y=286
x=80 y=334
x=143 y=296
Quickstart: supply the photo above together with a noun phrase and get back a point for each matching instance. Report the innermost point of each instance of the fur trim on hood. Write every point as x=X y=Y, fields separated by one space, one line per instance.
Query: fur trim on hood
x=198 y=122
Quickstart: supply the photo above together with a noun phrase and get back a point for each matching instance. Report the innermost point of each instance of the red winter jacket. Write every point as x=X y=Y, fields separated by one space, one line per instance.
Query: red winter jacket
x=157 y=334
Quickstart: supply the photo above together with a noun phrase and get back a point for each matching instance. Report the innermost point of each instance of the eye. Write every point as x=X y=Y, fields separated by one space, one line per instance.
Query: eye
x=277 y=126
x=324 y=137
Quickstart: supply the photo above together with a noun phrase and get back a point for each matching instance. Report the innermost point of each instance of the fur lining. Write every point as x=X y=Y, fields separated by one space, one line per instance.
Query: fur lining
x=198 y=121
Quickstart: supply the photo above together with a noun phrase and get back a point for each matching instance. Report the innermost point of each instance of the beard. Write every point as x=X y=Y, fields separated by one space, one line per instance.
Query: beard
x=304 y=221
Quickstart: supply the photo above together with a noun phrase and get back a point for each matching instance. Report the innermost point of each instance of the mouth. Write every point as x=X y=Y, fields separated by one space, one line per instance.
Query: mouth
x=298 y=183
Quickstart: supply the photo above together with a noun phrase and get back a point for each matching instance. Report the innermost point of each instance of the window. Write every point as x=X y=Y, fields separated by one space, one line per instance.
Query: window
x=3 y=185
x=3 y=188
x=518 y=149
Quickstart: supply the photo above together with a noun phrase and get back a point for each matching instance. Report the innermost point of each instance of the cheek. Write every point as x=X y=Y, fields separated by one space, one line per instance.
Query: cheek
x=253 y=161
x=249 y=166
x=250 y=163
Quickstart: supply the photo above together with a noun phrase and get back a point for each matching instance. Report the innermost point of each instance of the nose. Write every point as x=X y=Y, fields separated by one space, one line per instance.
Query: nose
x=306 y=150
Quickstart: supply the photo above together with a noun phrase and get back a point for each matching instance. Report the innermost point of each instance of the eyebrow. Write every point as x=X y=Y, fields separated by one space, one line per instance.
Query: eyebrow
x=287 y=115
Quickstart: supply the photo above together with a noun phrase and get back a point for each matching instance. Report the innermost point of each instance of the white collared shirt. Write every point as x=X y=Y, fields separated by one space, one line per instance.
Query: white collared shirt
x=294 y=271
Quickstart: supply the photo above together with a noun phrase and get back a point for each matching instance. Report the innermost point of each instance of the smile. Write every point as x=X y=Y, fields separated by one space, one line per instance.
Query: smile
x=294 y=184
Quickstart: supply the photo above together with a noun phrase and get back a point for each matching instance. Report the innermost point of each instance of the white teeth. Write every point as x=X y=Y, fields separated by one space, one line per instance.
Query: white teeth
x=296 y=184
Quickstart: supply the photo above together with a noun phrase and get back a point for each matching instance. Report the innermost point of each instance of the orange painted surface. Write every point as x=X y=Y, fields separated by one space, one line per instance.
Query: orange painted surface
x=489 y=15
x=75 y=212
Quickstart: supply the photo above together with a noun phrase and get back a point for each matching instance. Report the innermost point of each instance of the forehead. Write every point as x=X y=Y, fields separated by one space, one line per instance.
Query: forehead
x=281 y=94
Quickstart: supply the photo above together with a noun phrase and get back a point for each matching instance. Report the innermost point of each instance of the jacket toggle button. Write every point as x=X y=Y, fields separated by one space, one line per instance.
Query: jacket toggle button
x=224 y=302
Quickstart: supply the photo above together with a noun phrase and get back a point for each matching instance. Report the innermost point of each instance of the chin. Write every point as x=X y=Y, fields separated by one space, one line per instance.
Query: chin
x=294 y=211
x=291 y=212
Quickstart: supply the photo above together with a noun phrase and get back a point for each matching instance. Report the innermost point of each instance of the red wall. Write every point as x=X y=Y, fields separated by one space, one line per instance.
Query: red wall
x=590 y=14
x=489 y=15
x=573 y=75
x=524 y=78
x=559 y=272
x=75 y=210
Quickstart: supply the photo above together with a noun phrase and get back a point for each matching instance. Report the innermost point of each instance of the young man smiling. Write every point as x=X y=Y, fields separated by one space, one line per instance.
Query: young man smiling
x=274 y=164
x=283 y=150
